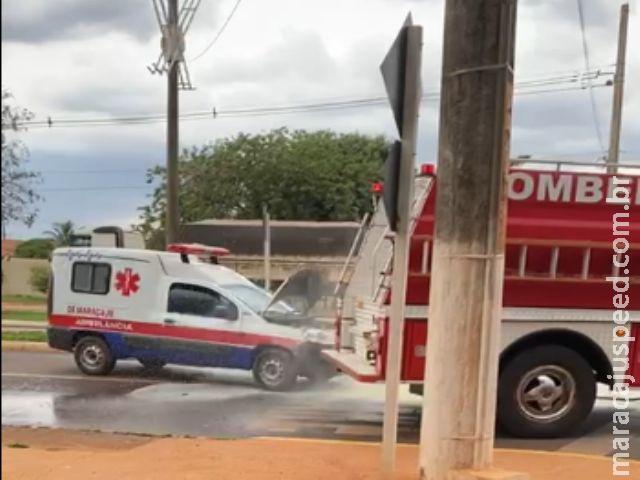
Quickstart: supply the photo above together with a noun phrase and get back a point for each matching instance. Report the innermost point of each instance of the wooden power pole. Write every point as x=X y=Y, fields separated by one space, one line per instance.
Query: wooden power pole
x=618 y=90
x=266 y=225
x=469 y=242
x=172 y=220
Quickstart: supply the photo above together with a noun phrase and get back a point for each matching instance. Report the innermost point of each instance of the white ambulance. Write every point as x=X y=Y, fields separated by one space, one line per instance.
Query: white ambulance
x=107 y=304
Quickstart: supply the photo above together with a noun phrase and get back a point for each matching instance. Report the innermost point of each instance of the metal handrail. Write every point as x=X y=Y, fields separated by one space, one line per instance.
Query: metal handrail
x=519 y=162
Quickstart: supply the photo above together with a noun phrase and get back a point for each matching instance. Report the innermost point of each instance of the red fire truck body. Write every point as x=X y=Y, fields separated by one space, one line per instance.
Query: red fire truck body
x=559 y=254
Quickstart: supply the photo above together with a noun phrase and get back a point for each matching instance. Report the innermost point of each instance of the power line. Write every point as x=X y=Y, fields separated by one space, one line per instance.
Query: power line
x=94 y=189
x=573 y=77
x=215 y=39
x=525 y=88
x=82 y=172
x=585 y=51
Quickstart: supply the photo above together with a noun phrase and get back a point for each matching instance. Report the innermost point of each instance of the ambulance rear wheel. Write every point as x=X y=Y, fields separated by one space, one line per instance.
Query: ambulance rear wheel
x=93 y=356
x=275 y=370
x=545 y=392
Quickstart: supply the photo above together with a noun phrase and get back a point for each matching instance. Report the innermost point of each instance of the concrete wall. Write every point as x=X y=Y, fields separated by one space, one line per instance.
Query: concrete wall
x=16 y=274
x=17 y=271
x=282 y=267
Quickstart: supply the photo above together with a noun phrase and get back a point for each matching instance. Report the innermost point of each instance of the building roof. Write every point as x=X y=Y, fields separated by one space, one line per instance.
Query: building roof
x=276 y=223
x=288 y=238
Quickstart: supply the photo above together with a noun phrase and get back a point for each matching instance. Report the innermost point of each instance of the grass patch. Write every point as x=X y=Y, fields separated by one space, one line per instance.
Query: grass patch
x=28 y=316
x=24 y=299
x=24 y=336
x=17 y=445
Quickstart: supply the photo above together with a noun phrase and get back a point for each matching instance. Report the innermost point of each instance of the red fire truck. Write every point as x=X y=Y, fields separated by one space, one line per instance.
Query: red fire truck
x=559 y=337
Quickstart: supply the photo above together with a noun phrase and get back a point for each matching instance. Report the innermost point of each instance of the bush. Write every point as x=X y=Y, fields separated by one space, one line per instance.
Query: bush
x=39 y=279
x=35 y=248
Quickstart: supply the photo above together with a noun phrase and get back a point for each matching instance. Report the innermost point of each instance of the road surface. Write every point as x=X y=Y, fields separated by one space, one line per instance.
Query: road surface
x=46 y=389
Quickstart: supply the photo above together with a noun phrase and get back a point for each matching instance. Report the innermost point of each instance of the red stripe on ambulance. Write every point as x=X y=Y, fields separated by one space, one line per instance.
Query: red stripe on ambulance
x=169 y=331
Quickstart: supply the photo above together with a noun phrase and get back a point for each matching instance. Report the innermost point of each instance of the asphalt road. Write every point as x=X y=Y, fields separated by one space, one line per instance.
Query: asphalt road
x=46 y=389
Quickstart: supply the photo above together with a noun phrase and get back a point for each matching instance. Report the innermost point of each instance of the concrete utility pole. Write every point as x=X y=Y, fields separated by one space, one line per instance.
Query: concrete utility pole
x=173 y=217
x=468 y=260
x=173 y=25
x=618 y=90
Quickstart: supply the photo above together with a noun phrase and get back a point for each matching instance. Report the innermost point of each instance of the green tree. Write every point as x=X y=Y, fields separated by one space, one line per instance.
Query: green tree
x=299 y=175
x=39 y=279
x=18 y=182
x=61 y=233
x=35 y=248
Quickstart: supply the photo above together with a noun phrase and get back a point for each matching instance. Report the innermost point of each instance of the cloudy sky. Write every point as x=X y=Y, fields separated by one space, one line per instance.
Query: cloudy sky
x=79 y=59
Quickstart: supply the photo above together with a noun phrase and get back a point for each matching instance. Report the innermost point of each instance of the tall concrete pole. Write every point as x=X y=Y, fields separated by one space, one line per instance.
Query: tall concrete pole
x=469 y=241
x=173 y=218
x=618 y=90
x=411 y=102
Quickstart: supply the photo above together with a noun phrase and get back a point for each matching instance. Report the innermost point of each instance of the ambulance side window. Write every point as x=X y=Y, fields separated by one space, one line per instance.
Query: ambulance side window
x=200 y=301
x=89 y=277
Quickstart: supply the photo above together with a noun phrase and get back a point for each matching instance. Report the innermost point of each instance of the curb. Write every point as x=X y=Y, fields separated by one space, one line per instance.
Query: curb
x=24 y=325
x=15 y=346
x=517 y=451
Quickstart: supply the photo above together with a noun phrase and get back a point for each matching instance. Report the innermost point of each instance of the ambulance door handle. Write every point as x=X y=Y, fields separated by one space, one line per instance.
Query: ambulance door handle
x=169 y=321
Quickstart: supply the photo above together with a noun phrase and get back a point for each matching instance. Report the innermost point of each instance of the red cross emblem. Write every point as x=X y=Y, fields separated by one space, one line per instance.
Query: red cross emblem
x=127 y=282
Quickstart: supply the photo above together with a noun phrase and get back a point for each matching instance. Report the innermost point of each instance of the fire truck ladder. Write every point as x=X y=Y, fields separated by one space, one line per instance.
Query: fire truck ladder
x=422 y=189
x=581 y=272
x=361 y=297
x=544 y=260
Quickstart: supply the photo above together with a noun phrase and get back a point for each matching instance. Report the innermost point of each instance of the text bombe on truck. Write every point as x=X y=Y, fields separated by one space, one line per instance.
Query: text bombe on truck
x=559 y=338
x=107 y=304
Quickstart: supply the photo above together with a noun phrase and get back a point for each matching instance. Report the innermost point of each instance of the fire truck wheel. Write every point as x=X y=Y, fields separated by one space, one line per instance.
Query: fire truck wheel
x=275 y=369
x=545 y=392
x=93 y=356
x=152 y=365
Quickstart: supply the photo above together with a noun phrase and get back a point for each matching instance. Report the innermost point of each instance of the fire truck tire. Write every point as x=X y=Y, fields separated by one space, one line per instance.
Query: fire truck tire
x=275 y=369
x=545 y=392
x=93 y=356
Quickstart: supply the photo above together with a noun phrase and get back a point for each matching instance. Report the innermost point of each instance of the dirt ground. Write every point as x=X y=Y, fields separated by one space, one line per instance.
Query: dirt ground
x=36 y=454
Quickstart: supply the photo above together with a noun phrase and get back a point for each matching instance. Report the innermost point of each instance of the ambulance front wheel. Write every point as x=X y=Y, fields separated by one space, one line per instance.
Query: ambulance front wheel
x=275 y=369
x=93 y=356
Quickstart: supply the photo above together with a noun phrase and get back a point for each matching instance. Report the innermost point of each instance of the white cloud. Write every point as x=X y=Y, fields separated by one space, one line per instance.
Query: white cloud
x=91 y=62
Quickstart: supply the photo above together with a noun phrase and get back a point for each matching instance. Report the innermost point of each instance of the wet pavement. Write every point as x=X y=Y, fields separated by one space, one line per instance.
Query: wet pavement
x=46 y=389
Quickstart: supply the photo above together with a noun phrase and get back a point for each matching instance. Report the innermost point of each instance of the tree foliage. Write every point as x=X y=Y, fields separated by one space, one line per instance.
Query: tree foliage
x=35 y=248
x=39 y=279
x=299 y=175
x=18 y=193
x=61 y=233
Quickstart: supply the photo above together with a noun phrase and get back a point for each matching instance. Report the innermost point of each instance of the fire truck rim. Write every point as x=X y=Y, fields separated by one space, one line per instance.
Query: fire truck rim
x=546 y=393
